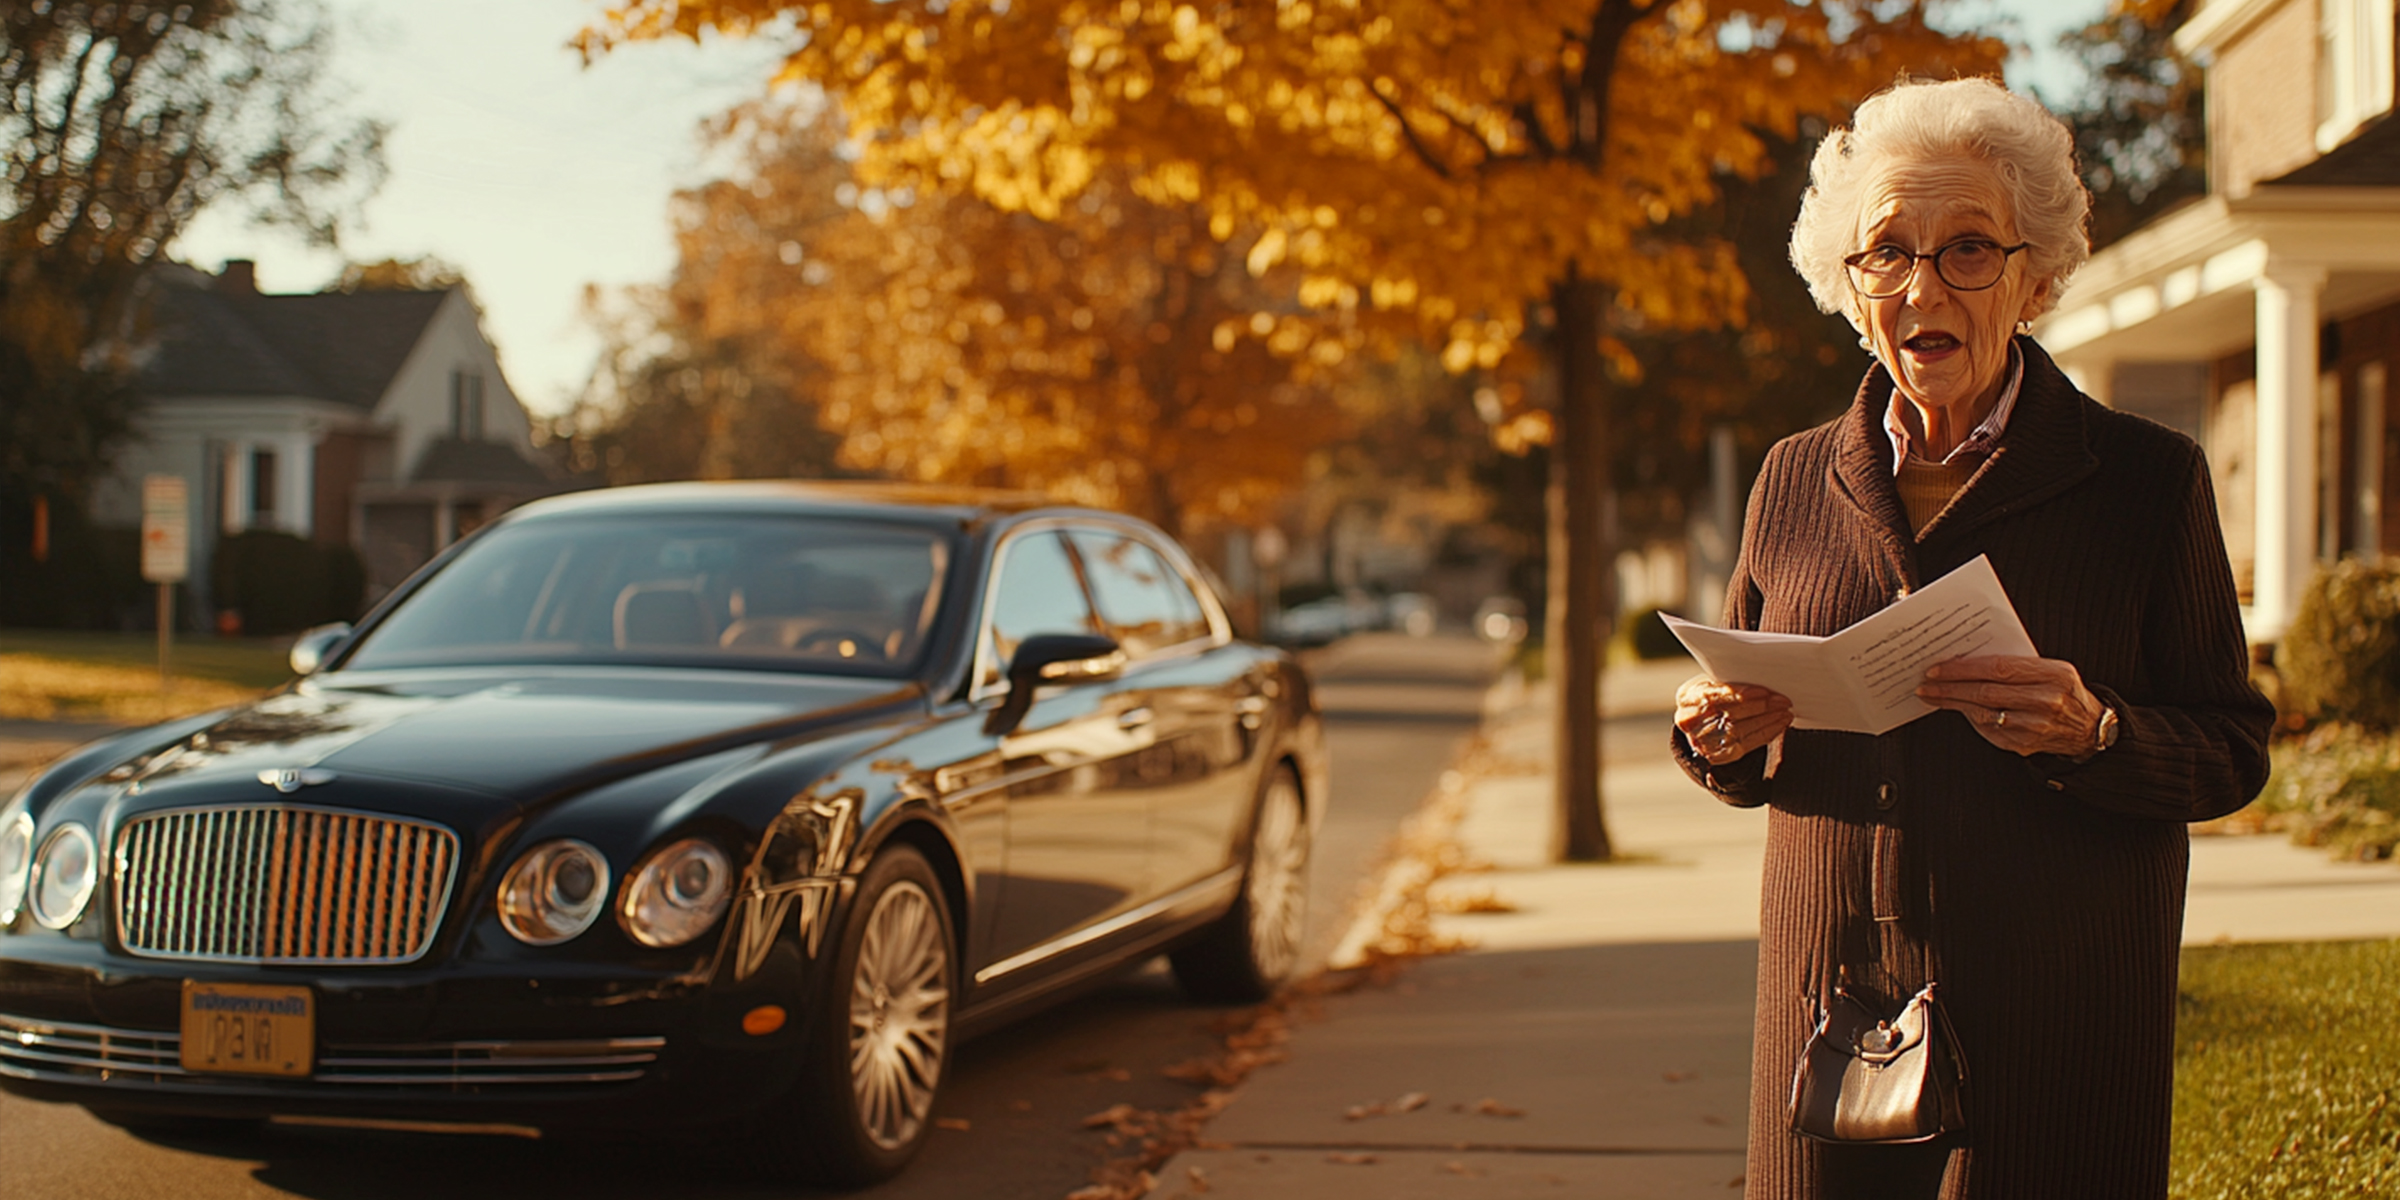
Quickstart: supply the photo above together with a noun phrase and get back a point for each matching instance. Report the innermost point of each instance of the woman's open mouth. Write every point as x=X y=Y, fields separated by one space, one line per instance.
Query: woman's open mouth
x=1929 y=345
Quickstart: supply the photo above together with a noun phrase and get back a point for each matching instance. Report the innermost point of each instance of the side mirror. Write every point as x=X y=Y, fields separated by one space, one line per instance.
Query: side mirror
x=313 y=646
x=1052 y=658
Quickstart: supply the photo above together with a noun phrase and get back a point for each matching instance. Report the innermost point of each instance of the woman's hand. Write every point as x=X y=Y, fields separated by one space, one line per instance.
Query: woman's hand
x=2018 y=703
x=1724 y=721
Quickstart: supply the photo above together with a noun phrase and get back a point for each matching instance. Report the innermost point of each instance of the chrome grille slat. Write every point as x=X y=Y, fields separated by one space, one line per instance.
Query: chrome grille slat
x=281 y=883
x=34 y=1049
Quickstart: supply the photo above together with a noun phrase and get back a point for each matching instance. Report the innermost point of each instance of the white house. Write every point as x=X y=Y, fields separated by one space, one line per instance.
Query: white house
x=375 y=419
x=2264 y=319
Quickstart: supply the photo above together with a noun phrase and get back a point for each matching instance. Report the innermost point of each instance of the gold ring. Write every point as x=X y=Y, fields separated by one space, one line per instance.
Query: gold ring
x=2001 y=721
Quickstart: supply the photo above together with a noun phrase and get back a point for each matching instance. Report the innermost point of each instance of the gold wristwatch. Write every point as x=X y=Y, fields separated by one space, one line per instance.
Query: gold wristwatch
x=2105 y=735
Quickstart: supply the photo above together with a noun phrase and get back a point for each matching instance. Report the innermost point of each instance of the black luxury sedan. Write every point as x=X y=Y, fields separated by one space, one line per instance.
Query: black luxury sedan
x=720 y=805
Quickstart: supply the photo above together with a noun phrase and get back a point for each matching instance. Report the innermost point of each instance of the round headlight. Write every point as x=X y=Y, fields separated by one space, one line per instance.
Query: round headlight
x=16 y=863
x=677 y=893
x=554 y=892
x=63 y=875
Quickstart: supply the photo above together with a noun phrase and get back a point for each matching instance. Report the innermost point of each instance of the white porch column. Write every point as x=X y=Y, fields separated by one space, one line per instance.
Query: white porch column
x=235 y=463
x=2286 y=450
x=296 y=483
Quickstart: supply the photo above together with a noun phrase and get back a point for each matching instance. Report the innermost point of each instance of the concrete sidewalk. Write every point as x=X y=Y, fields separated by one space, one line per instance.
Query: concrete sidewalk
x=1595 y=1042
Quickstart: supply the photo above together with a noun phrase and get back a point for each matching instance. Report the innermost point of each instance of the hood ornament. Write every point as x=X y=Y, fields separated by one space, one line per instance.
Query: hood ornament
x=291 y=779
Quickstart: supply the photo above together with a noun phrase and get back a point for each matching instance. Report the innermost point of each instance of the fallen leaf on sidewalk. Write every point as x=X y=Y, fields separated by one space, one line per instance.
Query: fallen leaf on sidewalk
x=1680 y=1076
x=1114 y=1114
x=1351 y=1160
x=1493 y=1108
x=961 y=1124
x=1408 y=1103
x=1482 y=900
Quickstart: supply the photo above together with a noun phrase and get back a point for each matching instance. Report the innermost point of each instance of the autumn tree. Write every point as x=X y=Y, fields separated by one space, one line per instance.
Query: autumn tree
x=119 y=122
x=1113 y=353
x=428 y=273
x=2141 y=129
x=1444 y=164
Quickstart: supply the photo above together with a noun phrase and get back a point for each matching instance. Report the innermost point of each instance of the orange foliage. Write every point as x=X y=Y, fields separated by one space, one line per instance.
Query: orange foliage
x=1441 y=160
x=1114 y=354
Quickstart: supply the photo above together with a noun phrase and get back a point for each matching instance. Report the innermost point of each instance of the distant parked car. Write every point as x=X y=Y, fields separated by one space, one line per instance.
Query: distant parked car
x=689 y=805
x=1412 y=613
x=1327 y=619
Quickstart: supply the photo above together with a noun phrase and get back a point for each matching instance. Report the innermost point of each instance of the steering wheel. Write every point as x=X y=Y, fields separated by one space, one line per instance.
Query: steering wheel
x=840 y=642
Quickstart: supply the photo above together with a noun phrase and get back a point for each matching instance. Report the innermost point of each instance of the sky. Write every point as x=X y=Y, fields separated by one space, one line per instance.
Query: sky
x=538 y=177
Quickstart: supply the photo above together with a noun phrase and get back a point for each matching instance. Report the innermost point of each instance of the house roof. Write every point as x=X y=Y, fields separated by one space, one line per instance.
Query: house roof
x=2371 y=159
x=343 y=347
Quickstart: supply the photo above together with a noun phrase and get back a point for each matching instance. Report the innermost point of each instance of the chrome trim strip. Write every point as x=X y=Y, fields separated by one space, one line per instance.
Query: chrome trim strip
x=1225 y=881
x=476 y=1078
x=93 y=1064
x=489 y=1128
x=29 y=1049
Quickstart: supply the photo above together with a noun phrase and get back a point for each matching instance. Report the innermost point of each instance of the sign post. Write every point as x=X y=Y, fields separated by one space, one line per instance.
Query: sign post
x=166 y=552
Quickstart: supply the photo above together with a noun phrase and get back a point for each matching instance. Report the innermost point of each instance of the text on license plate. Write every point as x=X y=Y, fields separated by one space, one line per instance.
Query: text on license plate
x=248 y=1029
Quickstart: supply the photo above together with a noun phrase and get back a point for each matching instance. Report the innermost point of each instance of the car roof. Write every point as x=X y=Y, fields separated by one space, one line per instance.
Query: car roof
x=932 y=503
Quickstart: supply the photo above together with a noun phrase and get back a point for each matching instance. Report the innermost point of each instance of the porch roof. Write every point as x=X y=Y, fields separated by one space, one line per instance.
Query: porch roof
x=2181 y=288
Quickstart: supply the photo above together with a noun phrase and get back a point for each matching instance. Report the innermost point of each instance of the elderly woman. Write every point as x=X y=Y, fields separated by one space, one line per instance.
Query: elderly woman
x=2024 y=844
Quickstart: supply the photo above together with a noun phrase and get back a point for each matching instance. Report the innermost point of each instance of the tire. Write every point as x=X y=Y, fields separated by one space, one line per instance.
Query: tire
x=1255 y=946
x=879 y=1046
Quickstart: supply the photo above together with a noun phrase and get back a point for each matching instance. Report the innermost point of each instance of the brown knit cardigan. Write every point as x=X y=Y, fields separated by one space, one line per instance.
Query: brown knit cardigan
x=2046 y=896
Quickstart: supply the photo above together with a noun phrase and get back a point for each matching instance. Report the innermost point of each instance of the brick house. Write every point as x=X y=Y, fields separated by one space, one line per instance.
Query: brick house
x=373 y=419
x=2264 y=319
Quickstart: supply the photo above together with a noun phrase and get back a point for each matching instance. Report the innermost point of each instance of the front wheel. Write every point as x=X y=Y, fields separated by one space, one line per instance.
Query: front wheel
x=1256 y=944
x=878 y=1051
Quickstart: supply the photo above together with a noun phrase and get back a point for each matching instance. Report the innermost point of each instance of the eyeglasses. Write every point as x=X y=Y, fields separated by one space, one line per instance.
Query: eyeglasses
x=1968 y=265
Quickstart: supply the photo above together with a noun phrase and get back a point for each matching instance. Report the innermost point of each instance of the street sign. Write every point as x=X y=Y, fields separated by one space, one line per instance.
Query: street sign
x=166 y=529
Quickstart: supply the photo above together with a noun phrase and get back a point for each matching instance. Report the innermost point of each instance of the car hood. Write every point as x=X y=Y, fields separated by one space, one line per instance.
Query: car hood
x=516 y=734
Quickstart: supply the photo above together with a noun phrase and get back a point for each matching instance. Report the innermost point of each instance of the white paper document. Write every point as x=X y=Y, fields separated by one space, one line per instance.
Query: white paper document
x=1864 y=679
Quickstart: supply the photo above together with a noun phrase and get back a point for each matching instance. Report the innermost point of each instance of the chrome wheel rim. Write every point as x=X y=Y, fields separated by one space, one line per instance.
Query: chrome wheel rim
x=1278 y=886
x=899 y=1015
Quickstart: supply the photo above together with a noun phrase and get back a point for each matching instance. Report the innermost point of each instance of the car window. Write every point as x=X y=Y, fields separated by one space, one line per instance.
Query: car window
x=796 y=592
x=1038 y=592
x=1146 y=604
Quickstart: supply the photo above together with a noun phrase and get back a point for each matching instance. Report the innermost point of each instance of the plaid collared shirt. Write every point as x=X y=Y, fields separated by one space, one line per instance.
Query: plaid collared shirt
x=1981 y=441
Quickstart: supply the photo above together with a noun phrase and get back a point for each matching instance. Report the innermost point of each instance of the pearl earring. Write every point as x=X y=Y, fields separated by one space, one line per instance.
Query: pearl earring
x=1865 y=343
x=2024 y=327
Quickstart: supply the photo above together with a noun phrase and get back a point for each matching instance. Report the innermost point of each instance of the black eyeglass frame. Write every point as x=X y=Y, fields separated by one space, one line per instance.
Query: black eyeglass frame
x=1850 y=267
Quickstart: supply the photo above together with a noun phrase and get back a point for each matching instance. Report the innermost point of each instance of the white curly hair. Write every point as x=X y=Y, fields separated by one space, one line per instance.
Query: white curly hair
x=2032 y=151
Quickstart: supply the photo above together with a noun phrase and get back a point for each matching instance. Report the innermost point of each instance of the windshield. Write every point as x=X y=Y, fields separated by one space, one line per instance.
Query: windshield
x=795 y=593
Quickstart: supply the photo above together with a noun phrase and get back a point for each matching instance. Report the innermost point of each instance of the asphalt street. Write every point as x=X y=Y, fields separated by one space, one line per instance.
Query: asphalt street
x=1013 y=1117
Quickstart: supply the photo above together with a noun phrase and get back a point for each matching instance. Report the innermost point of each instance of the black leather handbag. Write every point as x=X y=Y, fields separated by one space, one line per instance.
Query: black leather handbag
x=1864 y=1078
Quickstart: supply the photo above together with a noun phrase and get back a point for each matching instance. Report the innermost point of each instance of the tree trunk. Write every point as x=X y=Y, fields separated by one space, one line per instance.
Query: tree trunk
x=1581 y=461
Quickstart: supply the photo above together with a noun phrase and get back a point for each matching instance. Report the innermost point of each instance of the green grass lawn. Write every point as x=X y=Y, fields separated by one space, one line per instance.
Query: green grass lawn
x=243 y=662
x=2287 y=1072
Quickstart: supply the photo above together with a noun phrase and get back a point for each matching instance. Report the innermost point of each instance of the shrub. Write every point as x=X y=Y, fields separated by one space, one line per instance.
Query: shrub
x=2340 y=661
x=280 y=583
x=1649 y=637
x=2338 y=787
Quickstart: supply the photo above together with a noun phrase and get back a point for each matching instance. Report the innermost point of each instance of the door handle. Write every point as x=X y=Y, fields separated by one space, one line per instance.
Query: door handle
x=1135 y=718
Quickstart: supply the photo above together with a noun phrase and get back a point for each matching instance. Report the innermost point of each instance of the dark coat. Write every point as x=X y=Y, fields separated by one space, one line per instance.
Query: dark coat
x=2046 y=896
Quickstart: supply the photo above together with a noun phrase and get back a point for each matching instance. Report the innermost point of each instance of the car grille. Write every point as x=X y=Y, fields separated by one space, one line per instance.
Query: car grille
x=280 y=883
x=62 y=1052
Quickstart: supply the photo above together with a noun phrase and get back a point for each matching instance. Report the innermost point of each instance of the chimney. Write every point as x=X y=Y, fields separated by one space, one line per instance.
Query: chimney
x=240 y=277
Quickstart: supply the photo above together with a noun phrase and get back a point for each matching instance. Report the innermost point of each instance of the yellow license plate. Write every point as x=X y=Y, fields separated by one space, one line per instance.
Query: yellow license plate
x=248 y=1029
